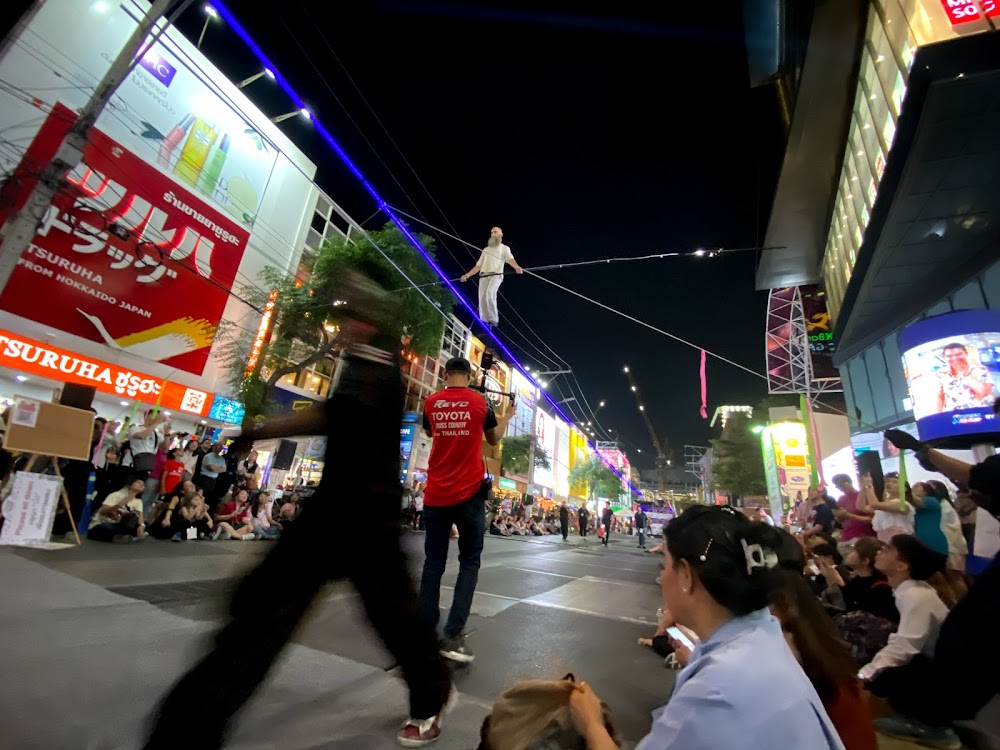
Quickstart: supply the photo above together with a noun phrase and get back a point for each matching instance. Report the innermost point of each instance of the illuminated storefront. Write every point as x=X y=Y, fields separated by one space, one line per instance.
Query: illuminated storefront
x=786 y=463
x=35 y=363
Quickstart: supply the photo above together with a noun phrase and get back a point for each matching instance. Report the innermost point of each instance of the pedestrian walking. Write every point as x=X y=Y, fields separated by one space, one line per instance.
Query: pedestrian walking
x=456 y=494
x=564 y=521
x=607 y=519
x=361 y=423
x=584 y=516
x=641 y=523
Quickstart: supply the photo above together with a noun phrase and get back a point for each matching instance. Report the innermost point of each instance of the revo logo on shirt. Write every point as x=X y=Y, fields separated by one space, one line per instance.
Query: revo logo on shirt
x=456 y=417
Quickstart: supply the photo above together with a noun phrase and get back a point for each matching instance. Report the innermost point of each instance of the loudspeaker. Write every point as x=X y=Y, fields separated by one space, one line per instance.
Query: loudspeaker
x=869 y=462
x=78 y=396
x=284 y=456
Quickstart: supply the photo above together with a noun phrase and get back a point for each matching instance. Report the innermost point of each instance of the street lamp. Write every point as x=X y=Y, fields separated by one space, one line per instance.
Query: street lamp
x=757 y=429
x=247 y=81
x=281 y=118
x=210 y=15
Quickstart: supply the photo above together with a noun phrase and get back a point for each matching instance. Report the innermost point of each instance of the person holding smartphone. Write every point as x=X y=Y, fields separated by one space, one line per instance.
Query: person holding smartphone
x=743 y=687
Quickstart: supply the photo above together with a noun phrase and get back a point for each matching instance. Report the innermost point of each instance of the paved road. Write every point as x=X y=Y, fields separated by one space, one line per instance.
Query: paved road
x=95 y=634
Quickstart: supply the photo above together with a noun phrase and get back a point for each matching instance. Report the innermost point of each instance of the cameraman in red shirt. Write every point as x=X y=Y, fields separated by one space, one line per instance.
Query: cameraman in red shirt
x=456 y=493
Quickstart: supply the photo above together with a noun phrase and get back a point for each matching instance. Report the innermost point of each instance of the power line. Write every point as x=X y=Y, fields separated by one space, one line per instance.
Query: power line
x=413 y=172
x=649 y=326
x=324 y=133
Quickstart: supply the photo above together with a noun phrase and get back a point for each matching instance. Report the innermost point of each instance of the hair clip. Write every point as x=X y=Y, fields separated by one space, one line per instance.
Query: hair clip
x=757 y=557
x=707 y=548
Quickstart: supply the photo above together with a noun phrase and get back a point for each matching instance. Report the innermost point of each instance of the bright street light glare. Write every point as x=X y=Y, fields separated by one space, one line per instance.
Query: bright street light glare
x=757 y=429
x=269 y=72
x=602 y=403
x=210 y=11
x=626 y=368
x=633 y=389
x=306 y=113
x=642 y=408
x=699 y=252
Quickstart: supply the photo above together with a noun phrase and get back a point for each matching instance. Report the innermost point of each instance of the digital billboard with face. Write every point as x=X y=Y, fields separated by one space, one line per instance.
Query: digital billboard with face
x=952 y=366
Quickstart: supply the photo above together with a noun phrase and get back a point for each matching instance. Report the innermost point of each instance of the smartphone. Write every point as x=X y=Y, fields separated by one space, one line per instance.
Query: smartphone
x=814 y=568
x=678 y=635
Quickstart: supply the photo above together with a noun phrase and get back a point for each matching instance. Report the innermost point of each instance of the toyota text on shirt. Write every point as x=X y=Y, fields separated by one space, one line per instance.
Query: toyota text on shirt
x=456 y=418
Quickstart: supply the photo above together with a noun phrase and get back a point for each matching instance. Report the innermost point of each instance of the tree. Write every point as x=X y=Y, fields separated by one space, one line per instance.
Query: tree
x=516 y=451
x=597 y=477
x=738 y=466
x=304 y=331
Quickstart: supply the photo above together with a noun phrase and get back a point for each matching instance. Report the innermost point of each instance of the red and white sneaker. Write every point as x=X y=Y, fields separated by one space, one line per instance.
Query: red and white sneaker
x=421 y=732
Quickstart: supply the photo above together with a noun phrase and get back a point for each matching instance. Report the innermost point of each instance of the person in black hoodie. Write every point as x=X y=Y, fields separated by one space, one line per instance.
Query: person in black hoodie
x=607 y=518
x=867 y=589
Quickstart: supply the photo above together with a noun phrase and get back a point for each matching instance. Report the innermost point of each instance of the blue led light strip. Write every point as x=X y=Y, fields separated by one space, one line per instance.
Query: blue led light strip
x=385 y=207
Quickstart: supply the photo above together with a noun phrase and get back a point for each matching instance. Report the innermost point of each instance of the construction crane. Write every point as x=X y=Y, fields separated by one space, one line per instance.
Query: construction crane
x=662 y=446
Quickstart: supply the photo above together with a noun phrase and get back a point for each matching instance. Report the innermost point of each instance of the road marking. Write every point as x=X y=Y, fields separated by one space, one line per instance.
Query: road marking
x=577 y=610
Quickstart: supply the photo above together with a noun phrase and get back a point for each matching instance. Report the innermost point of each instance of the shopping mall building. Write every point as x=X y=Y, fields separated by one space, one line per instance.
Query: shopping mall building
x=883 y=267
x=887 y=203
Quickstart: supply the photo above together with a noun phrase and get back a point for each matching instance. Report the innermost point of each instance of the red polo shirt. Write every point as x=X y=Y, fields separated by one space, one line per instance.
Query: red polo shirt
x=456 y=418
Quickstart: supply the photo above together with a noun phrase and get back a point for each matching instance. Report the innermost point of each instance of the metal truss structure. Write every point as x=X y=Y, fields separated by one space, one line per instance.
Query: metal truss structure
x=788 y=353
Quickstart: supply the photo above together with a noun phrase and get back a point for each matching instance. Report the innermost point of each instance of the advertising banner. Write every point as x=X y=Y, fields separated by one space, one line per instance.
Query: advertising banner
x=774 y=497
x=184 y=182
x=819 y=329
x=33 y=357
x=524 y=407
x=791 y=455
x=561 y=463
x=545 y=430
x=124 y=257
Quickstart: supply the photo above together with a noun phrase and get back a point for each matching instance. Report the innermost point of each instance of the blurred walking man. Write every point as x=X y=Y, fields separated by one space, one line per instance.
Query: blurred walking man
x=361 y=423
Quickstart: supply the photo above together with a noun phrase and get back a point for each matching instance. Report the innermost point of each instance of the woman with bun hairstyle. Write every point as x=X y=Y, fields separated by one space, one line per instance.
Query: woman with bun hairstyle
x=742 y=688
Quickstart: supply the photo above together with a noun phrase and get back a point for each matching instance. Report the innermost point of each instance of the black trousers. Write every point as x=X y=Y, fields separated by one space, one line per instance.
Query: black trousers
x=272 y=599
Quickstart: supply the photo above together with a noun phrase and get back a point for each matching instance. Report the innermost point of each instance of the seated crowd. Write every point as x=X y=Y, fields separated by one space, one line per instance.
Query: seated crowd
x=863 y=620
x=184 y=514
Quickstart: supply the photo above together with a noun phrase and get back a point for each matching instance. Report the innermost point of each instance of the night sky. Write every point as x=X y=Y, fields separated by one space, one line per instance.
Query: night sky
x=583 y=137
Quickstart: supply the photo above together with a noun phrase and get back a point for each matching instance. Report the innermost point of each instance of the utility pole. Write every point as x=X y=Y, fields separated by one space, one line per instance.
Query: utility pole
x=19 y=231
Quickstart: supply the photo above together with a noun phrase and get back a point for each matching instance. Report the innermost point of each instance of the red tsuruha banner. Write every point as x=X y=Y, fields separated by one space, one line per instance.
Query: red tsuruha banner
x=125 y=256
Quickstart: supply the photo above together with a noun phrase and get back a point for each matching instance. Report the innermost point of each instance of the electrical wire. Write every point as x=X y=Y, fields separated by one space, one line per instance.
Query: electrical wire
x=649 y=326
x=321 y=130
x=413 y=171
x=382 y=161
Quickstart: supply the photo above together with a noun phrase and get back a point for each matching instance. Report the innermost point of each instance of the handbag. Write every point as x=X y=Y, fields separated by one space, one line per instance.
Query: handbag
x=535 y=714
x=145 y=461
x=601 y=532
x=128 y=523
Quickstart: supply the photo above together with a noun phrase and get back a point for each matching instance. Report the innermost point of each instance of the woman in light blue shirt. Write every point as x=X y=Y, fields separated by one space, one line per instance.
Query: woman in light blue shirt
x=742 y=687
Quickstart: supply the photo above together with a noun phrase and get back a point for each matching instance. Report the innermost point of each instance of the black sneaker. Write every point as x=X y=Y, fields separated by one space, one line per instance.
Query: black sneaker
x=454 y=649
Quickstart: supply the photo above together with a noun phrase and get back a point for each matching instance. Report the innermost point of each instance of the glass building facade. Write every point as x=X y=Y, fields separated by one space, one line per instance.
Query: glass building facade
x=896 y=28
